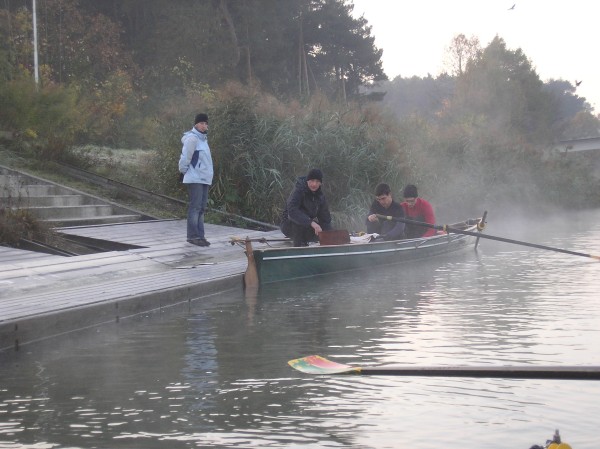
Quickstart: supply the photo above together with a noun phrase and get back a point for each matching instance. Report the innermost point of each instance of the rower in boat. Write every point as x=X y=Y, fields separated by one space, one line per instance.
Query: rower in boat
x=417 y=209
x=384 y=204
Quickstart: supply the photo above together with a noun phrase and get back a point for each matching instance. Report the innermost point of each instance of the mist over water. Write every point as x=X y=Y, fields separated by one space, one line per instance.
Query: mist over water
x=216 y=374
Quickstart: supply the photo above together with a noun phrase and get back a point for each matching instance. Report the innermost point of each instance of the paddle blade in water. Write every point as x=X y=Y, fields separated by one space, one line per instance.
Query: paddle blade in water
x=315 y=364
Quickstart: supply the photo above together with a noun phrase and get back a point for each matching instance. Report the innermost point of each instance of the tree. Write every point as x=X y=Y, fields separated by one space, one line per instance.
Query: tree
x=16 y=52
x=461 y=52
x=502 y=86
x=582 y=125
x=74 y=47
x=425 y=96
x=342 y=48
x=574 y=115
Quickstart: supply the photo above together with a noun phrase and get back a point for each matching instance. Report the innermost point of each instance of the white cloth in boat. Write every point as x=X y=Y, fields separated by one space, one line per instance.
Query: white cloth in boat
x=365 y=238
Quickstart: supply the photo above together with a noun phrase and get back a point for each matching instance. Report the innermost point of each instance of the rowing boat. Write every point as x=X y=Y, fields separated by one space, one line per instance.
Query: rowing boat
x=275 y=264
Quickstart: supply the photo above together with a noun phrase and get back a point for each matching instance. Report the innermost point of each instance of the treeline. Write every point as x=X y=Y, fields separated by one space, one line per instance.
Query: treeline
x=131 y=59
x=488 y=126
x=289 y=84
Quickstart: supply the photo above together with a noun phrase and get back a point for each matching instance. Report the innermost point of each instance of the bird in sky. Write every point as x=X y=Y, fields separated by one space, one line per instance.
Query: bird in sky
x=512 y=7
x=577 y=83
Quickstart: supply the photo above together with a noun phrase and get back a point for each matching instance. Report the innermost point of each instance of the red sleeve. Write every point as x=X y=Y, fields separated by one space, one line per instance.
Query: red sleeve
x=428 y=215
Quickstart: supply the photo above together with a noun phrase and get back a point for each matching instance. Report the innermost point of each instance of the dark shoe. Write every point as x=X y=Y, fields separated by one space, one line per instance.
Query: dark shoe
x=198 y=242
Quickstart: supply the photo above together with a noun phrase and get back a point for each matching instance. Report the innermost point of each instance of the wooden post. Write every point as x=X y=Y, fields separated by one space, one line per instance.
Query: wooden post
x=251 y=274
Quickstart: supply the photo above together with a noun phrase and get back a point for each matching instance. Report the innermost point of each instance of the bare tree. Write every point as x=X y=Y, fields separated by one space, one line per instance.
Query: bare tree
x=460 y=52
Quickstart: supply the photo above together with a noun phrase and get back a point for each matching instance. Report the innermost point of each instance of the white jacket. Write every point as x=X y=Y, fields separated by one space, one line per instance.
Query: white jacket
x=195 y=161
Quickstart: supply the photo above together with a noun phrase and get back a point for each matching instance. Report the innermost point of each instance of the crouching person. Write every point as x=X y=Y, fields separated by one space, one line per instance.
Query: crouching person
x=306 y=213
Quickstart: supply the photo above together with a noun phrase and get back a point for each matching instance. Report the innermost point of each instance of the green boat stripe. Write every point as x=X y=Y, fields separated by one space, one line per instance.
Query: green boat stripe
x=350 y=253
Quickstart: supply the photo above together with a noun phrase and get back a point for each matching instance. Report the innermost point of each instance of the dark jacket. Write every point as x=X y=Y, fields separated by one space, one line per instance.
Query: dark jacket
x=304 y=206
x=389 y=230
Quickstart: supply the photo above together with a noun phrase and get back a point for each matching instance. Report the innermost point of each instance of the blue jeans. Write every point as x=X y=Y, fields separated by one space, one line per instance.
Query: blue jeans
x=198 y=197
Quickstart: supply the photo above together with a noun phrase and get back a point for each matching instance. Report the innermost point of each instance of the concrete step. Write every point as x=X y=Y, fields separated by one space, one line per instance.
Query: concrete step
x=11 y=180
x=48 y=201
x=57 y=205
x=59 y=212
x=31 y=190
x=91 y=221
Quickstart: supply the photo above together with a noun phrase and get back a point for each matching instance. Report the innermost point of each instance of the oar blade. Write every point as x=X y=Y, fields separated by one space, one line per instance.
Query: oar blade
x=315 y=364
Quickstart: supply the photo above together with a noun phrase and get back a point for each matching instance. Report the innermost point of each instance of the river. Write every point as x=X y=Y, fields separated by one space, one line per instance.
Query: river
x=215 y=374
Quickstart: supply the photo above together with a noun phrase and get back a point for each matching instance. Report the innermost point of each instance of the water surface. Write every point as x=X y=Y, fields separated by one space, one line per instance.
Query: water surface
x=216 y=374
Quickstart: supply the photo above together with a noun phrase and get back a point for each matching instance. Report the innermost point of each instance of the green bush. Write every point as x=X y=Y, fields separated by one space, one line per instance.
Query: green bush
x=21 y=224
x=113 y=114
x=43 y=120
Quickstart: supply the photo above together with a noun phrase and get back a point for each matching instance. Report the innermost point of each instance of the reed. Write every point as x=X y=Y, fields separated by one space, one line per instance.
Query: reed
x=261 y=145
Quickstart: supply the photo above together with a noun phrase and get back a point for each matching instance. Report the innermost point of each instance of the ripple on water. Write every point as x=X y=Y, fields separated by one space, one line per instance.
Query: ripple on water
x=217 y=376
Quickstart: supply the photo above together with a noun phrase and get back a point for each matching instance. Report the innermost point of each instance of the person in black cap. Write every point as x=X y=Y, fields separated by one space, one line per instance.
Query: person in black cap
x=196 y=165
x=306 y=213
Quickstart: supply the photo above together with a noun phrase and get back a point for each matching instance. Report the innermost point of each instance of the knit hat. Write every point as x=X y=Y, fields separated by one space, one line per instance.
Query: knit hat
x=315 y=173
x=202 y=117
x=410 y=191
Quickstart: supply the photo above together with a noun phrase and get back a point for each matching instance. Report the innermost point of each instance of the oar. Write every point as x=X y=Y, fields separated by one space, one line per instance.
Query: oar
x=234 y=240
x=450 y=229
x=315 y=364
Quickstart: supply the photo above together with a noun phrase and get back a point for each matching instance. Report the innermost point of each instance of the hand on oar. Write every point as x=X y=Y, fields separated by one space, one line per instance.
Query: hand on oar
x=450 y=229
x=315 y=364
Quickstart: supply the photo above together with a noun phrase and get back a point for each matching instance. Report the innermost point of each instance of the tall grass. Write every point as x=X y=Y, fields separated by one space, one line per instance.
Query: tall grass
x=260 y=146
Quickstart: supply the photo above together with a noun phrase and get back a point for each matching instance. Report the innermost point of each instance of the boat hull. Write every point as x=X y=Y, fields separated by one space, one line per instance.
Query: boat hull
x=280 y=264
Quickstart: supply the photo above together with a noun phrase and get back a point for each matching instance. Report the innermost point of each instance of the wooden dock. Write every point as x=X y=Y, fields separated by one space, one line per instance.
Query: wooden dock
x=45 y=295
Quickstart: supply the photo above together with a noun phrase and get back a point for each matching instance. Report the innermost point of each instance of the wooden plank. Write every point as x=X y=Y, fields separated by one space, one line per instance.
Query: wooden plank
x=40 y=303
x=30 y=286
x=166 y=267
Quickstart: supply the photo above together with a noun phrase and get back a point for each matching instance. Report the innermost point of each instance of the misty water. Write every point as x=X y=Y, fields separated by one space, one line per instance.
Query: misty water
x=215 y=373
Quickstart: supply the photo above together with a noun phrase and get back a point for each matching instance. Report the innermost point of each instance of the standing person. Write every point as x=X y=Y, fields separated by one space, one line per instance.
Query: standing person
x=417 y=209
x=306 y=213
x=196 y=166
x=384 y=204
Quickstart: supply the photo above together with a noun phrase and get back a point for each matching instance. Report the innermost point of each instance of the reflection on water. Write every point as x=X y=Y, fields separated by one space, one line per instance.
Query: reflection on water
x=216 y=375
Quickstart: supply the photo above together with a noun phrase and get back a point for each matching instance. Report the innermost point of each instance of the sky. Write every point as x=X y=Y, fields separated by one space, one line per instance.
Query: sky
x=559 y=37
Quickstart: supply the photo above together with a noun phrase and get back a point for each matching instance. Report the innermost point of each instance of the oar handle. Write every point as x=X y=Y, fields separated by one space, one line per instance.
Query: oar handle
x=504 y=372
